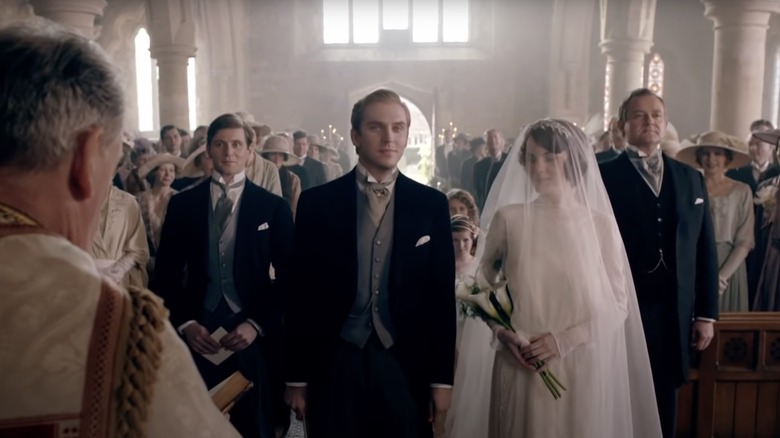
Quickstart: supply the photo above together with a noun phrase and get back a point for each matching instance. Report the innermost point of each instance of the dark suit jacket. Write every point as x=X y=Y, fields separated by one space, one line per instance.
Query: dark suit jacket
x=467 y=174
x=182 y=259
x=485 y=172
x=324 y=283
x=745 y=174
x=455 y=163
x=609 y=154
x=696 y=254
x=316 y=172
x=302 y=174
x=442 y=168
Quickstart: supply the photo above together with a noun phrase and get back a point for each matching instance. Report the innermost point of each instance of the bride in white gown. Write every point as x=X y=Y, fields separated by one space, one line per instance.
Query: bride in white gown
x=553 y=238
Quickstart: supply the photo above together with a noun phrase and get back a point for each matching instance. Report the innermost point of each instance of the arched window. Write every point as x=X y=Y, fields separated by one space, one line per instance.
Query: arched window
x=425 y=21
x=655 y=75
x=146 y=77
x=147 y=105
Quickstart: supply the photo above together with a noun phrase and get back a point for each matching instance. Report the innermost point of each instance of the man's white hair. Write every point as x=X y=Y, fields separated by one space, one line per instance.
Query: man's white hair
x=55 y=86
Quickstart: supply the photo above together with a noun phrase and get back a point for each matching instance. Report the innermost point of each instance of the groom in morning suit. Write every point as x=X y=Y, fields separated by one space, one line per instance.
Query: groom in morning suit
x=370 y=323
x=662 y=211
x=218 y=242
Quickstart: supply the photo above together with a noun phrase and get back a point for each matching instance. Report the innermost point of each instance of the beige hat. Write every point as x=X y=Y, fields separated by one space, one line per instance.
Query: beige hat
x=329 y=148
x=159 y=160
x=772 y=136
x=189 y=169
x=718 y=139
x=279 y=144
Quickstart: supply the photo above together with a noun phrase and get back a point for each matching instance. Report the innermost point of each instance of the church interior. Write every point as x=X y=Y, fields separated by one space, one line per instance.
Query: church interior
x=466 y=69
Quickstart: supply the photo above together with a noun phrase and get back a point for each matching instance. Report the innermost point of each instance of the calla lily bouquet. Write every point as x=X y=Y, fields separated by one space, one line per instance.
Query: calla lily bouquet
x=493 y=304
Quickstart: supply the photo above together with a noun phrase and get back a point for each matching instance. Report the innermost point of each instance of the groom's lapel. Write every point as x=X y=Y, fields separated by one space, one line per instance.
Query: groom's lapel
x=403 y=225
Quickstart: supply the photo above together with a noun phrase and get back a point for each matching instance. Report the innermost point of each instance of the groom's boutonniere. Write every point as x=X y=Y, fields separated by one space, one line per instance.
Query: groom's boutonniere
x=478 y=299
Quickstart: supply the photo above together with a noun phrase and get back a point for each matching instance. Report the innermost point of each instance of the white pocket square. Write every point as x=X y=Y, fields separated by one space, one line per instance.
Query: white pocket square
x=698 y=201
x=262 y=227
x=422 y=241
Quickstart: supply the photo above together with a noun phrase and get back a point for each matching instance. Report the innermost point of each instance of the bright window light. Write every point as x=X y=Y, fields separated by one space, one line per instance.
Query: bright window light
x=395 y=14
x=455 y=21
x=335 y=14
x=365 y=21
x=191 y=94
x=143 y=80
x=425 y=21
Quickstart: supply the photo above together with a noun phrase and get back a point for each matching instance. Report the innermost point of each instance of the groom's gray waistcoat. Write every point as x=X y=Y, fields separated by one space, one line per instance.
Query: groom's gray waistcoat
x=220 y=268
x=371 y=308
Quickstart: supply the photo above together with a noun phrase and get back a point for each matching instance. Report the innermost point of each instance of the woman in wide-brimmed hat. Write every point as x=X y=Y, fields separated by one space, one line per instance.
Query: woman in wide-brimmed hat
x=197 y=168
x=731 y=208
x=276 y=149
x=328 y=156
x=154 y=202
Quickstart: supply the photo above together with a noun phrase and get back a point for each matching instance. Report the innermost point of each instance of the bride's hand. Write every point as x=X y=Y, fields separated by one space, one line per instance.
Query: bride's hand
x=514 y=343
x=542 y=348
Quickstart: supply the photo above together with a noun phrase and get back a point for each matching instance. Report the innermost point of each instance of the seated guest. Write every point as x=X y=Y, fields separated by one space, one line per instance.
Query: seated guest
x=731 y=208
x=81 y=355
x=277 y=150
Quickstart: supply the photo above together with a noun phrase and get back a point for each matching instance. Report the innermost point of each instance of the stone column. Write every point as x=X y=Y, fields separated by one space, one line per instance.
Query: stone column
x=172 y=43
x=626 y=39
x=738 y=71
x=172 y=84
x=79 y=15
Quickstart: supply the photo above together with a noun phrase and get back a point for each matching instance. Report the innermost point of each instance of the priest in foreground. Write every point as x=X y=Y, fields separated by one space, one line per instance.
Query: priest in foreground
x=80 y=356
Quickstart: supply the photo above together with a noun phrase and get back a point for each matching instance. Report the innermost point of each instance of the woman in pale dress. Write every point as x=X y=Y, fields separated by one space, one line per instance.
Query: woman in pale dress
x=154 y=202
x=731 y=208
x=553 y=239
x=464 y=236
x=276 y=149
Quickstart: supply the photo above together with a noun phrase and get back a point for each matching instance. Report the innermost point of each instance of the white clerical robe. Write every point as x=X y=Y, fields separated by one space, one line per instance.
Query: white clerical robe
x=57 y=361
x=120 y=243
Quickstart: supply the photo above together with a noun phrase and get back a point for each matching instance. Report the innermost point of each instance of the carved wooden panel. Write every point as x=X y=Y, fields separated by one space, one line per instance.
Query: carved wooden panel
x=772 y=350
x=737 y=350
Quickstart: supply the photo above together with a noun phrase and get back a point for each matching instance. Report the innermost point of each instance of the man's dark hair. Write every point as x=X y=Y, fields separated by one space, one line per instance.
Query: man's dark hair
x=228 y=121
x=165 y=129
x=183 y=132
x=639 y=92
x=761 y=123
x=476 y=142
x=297 y=135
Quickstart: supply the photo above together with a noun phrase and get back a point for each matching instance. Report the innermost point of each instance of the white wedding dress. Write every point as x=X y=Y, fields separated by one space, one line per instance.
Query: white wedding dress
x=559 y=288
x=566 y=269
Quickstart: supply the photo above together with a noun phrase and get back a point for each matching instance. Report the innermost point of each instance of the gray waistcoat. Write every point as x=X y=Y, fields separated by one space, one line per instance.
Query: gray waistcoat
x=220 y=269
x=371 y=308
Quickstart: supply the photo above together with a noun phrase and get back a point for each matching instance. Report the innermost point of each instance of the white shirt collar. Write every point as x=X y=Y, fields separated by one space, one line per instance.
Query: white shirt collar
x=239 y=177
x=640 y=153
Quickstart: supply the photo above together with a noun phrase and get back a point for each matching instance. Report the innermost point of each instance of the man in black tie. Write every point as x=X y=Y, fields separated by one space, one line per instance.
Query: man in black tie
x=218 y=242
x=370 y=323
x=662 y=211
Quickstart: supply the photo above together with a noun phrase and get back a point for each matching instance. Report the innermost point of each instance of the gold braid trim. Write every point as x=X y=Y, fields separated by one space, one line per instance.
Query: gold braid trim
x=142 y=360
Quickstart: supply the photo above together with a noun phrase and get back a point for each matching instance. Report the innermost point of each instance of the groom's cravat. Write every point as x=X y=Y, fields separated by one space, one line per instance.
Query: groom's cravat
x=224 y=207
x=378 y=193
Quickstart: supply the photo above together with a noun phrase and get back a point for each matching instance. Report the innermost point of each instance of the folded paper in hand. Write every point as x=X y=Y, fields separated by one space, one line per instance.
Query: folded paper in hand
x=219 y=357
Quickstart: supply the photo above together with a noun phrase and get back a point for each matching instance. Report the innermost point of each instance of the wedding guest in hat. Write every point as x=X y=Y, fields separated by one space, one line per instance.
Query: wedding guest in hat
x=143 y=151
x=276 y=149
x=762 y=145
x=328 y=156
x=154 y=202
x=197 y=168
x=731 y=208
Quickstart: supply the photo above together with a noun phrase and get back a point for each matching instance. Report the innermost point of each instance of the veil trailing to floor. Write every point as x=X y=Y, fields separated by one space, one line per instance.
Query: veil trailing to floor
x=553 y=238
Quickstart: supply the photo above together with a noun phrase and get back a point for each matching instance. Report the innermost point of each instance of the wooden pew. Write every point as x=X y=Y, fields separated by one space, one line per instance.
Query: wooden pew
x=735 y=383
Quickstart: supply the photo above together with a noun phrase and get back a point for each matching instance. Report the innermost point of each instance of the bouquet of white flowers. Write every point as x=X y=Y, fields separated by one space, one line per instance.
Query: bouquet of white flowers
x=478 y=299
